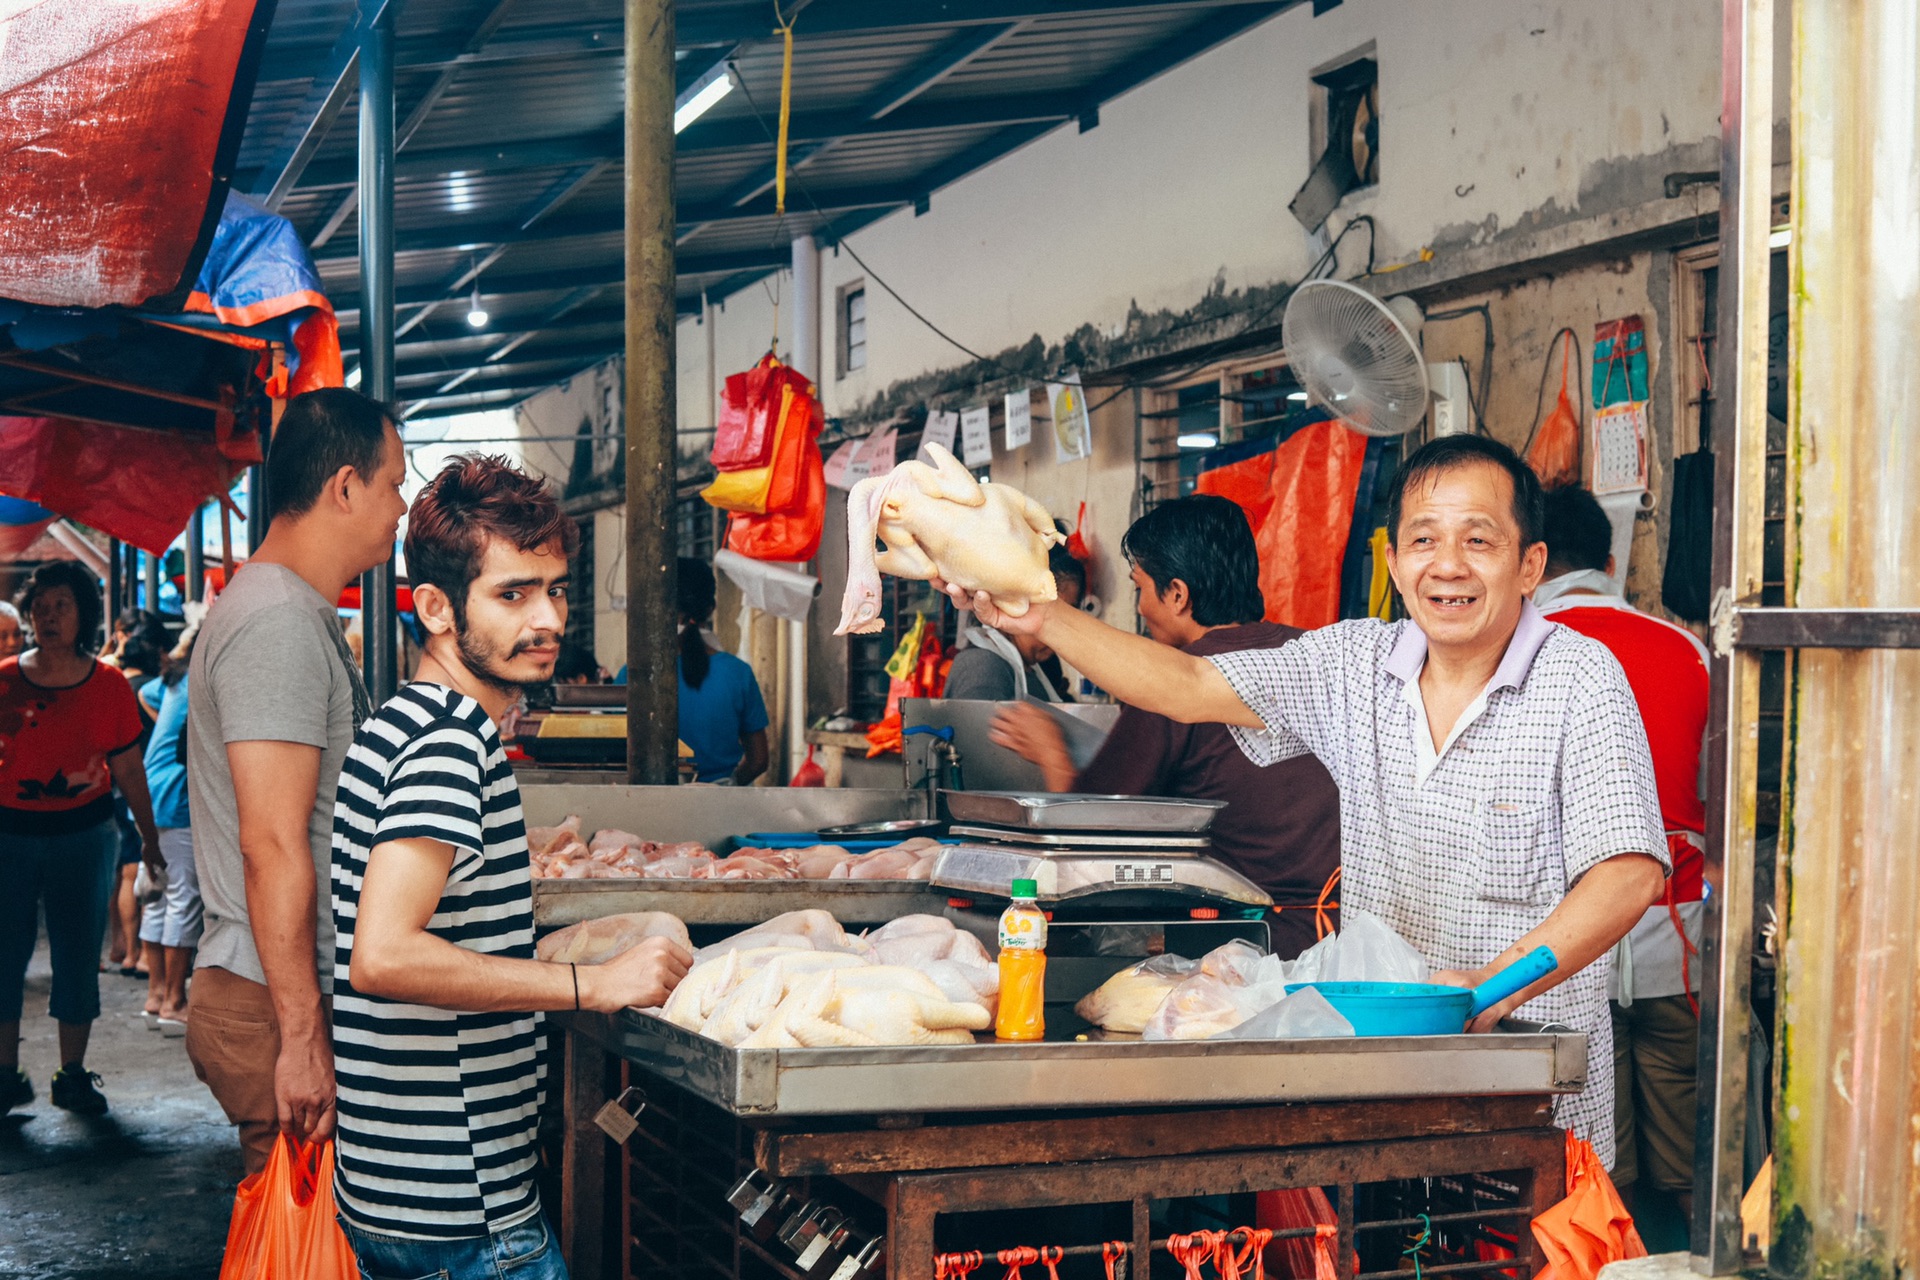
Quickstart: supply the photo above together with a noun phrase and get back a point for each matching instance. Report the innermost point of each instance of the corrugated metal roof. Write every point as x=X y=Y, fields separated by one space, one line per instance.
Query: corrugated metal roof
x=510 y=125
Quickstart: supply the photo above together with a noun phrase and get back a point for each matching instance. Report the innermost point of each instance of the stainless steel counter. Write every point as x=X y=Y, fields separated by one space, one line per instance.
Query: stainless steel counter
x=1110 y=1073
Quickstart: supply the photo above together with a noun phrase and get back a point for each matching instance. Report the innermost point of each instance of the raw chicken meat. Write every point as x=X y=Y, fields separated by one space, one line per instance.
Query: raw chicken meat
x=1128 y=1000
x=746 y=1008
x=939 y=522
x=613 y=838
x=744 y=866
x=544 y=841
x=896 y=863
x=819 y=1013
x=598 y=941
x=812 y=928
x=1235 y=982
x=818 y=862
x=701 y=991
x=676 y=868
x=954 y=959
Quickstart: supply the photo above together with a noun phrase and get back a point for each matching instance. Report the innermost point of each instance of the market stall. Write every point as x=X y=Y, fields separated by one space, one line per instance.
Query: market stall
x=817 y=1162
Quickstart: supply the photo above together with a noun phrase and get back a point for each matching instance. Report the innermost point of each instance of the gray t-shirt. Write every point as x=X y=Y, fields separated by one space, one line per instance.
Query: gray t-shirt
x=270 y=666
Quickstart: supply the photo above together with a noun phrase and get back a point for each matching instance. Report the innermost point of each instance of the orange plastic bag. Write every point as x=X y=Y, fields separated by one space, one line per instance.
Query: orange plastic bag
x=809 y=774
x=283 y=1226
x=743 y=437
x=1303 y=541
x=781 y=483
x=1554 y=452
x=1591 y=1227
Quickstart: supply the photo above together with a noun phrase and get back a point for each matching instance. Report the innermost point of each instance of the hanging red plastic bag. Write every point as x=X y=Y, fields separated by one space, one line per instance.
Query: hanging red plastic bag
x=792 y=535
x=809 y=774
x=1077 y=545
x=1591 y=1227
x=783 y=482
x=743 y=437
x=1554 y=451
x=283 y=1226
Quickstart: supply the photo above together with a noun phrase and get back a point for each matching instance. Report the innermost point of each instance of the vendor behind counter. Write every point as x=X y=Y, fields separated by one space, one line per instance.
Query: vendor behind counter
x=1198 y=576
x=993 y=667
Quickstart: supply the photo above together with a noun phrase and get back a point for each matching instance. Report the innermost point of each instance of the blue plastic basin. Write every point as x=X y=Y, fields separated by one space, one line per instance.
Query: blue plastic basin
x=1427 y=1008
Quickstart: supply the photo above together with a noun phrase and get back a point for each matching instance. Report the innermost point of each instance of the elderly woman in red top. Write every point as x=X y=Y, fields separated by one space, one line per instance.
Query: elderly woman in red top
x=68 y=731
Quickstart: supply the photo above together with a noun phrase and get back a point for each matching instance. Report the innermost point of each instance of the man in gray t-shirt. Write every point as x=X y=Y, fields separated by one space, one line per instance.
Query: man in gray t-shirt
x=273 y=704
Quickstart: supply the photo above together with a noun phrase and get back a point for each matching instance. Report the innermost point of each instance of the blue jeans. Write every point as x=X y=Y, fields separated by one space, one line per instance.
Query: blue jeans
x=524 y=1252
x=75 y=876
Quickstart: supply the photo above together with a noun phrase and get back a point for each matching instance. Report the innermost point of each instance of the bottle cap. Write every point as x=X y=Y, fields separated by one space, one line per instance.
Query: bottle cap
x=1025 y=889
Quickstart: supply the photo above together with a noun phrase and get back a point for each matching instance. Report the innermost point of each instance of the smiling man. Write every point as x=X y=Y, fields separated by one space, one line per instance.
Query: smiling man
x=1496 y=790
x=437 y=992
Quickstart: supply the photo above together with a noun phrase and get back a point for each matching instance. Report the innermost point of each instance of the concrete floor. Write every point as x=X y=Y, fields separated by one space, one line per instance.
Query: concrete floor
x=142 y=1193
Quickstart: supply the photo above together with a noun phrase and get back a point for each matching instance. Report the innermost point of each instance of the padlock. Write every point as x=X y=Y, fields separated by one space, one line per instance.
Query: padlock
x=834 y=1228
x=862 y=1261
x=767 y=1213
x=799 y=1229
x=619 y=1118
x=755 y=1185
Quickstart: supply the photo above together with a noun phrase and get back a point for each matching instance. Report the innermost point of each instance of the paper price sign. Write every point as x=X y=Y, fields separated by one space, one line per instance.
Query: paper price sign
x=976 y=437
x=1019 y=418
x=940 y=429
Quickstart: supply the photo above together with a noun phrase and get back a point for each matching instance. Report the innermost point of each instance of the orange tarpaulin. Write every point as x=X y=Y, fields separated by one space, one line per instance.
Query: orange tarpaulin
x=113 y=115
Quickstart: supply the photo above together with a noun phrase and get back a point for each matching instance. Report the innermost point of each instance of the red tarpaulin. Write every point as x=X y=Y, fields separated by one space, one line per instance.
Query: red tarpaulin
x=81 y=471
x=110 y=119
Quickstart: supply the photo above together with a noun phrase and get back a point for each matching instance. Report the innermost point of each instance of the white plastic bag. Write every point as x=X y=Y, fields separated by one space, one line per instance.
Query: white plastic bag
x=1304 y=1015
x=1365 y=950
x=1234 y=982
x=1128 y=1000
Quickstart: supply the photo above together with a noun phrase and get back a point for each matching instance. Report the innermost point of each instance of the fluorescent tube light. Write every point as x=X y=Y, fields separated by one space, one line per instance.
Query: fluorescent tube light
x=701 y=95
x=1198 y=440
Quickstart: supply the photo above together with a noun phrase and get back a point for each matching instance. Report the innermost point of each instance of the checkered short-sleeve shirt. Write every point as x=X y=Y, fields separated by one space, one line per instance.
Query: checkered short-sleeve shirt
x=1552 y=778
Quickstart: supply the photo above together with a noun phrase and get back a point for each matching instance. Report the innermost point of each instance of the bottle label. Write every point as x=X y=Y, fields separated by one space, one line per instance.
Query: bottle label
x=1023 y=931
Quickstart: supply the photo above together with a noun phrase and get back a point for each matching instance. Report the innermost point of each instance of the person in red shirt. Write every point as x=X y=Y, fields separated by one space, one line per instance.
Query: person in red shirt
x=69 y=733
x=1656 y=975
x=1197 y=572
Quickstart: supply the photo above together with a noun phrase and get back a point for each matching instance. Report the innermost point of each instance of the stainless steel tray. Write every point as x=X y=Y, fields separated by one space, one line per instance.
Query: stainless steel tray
x=1044 y=811
x=989 y=1076
x=741 y=902
x=1179 y=846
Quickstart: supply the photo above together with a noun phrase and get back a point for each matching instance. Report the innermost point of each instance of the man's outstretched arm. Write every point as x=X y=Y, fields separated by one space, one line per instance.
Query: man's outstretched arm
x=1135 y=670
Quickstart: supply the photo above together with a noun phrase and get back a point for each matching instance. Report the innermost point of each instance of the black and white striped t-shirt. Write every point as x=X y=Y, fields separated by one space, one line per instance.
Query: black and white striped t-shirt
x=437 y=1109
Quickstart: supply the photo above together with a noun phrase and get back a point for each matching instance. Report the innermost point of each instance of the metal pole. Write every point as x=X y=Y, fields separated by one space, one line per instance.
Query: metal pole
x=196 y=555
x=805 y=355
x=377 y=616
x=129 y=580
x=653 y=692
x=113 y=579
x=1739 y=446
x=150 y=569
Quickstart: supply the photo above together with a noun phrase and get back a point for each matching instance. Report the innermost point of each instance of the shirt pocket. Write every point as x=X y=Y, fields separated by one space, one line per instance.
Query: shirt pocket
x=1515 y=864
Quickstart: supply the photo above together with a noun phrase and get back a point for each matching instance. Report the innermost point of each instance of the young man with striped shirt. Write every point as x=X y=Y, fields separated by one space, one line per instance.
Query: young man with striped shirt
x=437 y=994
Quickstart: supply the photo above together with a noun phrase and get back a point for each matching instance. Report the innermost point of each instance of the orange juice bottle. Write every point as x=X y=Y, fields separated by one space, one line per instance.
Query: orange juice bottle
x=1023 y=967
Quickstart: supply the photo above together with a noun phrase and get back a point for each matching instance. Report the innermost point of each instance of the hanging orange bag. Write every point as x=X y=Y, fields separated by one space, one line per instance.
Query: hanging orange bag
x=1591 y=1227
x=283 y=1226
x=797 y=421
x=1554 y=451
x=792 y=535
x=810 y=773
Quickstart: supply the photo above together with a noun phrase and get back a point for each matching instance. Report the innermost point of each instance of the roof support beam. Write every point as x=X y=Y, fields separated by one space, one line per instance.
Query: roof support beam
x=952 y=55
x=333 y=83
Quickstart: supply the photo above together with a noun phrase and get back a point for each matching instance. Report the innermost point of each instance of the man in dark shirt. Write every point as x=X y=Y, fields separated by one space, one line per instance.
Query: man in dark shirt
x=1198 y=577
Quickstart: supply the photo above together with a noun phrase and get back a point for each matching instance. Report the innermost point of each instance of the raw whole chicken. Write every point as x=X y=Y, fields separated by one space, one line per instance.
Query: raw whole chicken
x=598 y=941
x=939 y=522
x=812 y=929
x=819 y=1013
x=818 y=862
x=743 y=866
x=745 y=1009
x=545 y=841
x=1128 y=1000
x=955 y=961
x=912 y=860
x=1234 y=982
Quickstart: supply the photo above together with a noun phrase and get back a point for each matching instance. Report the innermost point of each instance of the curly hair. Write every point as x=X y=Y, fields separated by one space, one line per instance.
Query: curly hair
x=472 y=499
x=77 y=579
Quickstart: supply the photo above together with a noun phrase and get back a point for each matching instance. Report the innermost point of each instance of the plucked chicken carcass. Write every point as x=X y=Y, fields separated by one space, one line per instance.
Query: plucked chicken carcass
x=831 y=1009
x=598 y=941
x=955 y=960
x=809 y=930
x=939 y=522
x=1128 y=1000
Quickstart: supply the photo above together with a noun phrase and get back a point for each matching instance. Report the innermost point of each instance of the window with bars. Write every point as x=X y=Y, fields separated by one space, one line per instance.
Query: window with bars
x=853 y=329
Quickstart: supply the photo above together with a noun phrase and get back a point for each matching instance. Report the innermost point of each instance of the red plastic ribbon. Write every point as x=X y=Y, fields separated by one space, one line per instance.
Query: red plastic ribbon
x=1111 y=1252
x=1023 y=1255
x=1323 y=1237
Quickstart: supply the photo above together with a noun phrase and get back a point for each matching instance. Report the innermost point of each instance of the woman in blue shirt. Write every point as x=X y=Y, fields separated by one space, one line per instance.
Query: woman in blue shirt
x=722 y=715
x=171 y=923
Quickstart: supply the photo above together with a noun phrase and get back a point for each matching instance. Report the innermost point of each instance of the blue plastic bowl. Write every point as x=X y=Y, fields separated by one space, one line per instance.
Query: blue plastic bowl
x=1427 y=1008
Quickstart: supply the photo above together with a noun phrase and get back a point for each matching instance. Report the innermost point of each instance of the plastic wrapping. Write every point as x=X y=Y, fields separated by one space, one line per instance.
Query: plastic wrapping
x=1304 y=1015
x=1128 y=1000
x=1234 y=982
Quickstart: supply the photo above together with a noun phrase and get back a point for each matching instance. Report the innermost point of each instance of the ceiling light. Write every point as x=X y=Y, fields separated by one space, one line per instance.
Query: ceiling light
x=701 y=95
x=1198 y=440
x=476 y=314
x=1781 y=237
x=1298 y=397
x=353 y=377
